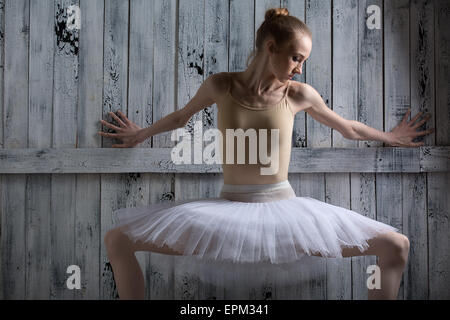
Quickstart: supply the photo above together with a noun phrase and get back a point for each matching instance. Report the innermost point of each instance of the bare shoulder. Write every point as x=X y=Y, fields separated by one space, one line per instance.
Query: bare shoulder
x=299 y=96
x=210 y=92
x=218 y=85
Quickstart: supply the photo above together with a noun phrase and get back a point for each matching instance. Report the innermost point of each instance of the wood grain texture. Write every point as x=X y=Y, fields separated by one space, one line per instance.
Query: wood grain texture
x=158 y=160
x=114 y=187
x=15 y=135
x=60 y=181
x=38 y=197
x=369 y=111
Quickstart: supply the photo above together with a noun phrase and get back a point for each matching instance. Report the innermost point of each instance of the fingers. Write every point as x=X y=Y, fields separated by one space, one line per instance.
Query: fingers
x=110 y=125
x=406 y=115
x=107 y=134
x=416 y=117
x=426 y=118
x=426 y=132
x=124 y=117
x=117 y=118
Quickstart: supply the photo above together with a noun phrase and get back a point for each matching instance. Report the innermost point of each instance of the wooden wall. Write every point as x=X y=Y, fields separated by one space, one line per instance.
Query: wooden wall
x=148 y=58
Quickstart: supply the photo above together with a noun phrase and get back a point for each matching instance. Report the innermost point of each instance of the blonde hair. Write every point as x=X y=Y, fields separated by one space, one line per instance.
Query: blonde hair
x=282 y=26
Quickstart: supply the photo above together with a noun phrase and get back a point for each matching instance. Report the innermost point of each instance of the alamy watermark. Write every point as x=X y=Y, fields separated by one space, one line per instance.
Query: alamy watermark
x=374 y=280
x=212 y=153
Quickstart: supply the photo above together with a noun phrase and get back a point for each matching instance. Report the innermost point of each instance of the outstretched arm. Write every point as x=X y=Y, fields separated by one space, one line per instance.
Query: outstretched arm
x=178 y=119
x=401 y=136
x=131 y=134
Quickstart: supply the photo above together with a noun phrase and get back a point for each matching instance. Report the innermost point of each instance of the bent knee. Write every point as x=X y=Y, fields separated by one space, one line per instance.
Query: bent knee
x=399 y=245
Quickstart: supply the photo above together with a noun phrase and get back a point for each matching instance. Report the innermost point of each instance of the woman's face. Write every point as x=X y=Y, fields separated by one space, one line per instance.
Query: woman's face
x=288 y=61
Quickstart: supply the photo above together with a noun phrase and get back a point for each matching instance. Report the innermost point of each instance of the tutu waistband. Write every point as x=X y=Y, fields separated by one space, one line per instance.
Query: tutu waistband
x=257 y=192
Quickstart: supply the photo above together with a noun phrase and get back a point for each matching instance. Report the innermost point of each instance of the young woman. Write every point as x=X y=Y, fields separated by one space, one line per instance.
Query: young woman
x=258 y=223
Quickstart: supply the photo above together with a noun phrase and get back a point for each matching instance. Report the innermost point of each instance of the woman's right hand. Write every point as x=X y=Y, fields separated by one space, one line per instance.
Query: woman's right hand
x=130 y=133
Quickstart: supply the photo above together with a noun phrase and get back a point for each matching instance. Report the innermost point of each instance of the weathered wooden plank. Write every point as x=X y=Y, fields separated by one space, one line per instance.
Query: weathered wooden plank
x=115 y=88
x=397 y=100
x=87 y=221
x=15 y=102
x=38 y=205
x=439 y=235
x=344 y=102
x=363 y=201
x=189 y=78
x=370 y=112
x=2 y=105
x=164 y=87
x=2 y=79
x=303 y=160
x=439 y=184
x=318 y=71
x=139 y=100
x=63 y=186
x=422 y=98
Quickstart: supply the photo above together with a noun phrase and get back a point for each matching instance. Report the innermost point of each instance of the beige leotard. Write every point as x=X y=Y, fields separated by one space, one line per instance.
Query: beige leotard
x=233 y=114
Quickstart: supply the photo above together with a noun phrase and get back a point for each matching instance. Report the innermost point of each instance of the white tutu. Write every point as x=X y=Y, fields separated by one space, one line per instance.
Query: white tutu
x=268 y=234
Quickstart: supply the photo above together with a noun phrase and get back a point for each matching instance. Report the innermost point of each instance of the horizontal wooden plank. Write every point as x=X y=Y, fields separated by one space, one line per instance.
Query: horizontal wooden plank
x=303 y=160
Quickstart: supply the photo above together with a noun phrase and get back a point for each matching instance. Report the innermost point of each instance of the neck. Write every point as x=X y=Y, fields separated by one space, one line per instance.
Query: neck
x=258 y=79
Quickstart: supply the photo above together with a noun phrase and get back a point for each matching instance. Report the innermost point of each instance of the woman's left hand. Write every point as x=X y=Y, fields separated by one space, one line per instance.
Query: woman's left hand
x=403 y=134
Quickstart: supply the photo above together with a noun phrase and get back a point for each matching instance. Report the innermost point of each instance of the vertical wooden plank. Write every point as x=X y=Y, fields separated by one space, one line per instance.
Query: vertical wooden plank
x=63 y=186
x=318 y=71
x=15 y=102
x=216 y=60
x=369 y=112
x=363 y=201
x=344 y=103
x=115 y=89
x=439 y=236
x=439 y=182
x=87 y=224
x=164 y=88
x=140 y=97
x=38 y=206
x=241 y=45
x=2 y=186
x=2 y=78
x=139 y=111
x=190 y=76
x=397 y=102
x=422 y=99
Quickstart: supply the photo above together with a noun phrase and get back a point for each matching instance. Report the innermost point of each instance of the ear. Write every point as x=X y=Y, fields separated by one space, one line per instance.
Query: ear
x=271 y=46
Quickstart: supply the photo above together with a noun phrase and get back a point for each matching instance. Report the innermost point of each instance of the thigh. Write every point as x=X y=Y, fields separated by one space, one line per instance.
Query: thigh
x=377 y=246
x=149 y=246
x=119 y=240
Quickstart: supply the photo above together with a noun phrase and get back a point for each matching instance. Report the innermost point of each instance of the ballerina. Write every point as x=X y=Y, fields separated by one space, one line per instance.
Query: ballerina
x=257 y=222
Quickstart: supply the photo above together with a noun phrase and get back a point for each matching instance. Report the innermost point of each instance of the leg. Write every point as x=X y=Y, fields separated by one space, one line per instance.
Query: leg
x=392 y=250
x=127 y=272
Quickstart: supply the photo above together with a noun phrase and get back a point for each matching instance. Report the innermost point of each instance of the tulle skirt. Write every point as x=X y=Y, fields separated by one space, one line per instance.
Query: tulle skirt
x=250 y=234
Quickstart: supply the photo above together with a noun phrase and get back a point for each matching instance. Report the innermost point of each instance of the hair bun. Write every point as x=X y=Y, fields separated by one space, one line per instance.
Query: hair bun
x=276 y=12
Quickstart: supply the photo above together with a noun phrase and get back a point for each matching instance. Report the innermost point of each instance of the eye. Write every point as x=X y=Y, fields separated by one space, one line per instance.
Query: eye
x=295 y=58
